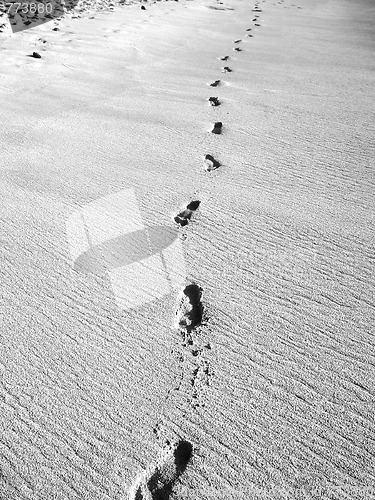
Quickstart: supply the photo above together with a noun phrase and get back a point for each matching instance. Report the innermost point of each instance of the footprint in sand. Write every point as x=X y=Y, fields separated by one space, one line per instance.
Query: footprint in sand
x=214 y=101
x=237 y=49
x=225 y=58
x=255 y=24
x=237 y=41
x=219 y=8
x=189 y=312
x=185 y=215
x=215 y=83
x=217 y=128
x=157 y=481
x=226 y=69
x=210 y=163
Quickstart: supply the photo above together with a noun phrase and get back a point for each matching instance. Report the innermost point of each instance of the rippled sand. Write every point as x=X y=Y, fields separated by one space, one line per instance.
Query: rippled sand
x=266 y=373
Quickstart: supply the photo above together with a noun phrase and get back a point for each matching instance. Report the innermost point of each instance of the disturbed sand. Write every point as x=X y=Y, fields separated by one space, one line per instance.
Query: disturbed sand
x=262 y=385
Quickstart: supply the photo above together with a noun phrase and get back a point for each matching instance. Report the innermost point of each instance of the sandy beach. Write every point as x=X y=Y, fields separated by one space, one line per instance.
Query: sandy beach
x=187 y=285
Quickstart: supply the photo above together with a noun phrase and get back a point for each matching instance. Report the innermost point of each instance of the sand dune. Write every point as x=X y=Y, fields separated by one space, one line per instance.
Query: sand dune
x=187 y=252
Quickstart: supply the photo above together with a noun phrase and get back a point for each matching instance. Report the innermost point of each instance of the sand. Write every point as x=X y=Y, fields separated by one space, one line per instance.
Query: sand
x=107 y=133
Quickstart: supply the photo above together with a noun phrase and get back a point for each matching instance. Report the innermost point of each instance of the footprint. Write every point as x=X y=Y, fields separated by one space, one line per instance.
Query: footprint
x=220 y=8
x=250 y=36
x=215 y=83
x=185 y=215
x=214 y=101
x=157 y=482
x=225 y=58
x=210 y=163
x=248 y=29
x=256 y=24
x=237 y=49
x=189 y=312
x=217 y=128
x=226 y=69
x=237 y=41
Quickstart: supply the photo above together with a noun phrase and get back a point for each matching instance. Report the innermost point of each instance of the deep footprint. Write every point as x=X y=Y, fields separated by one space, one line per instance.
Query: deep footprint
x=185 y=215
x=210 y=163
x=157 y=483
x=214 y=101
x=226 y=69
x=217 y=128
x=215 y=83
x=190 y=309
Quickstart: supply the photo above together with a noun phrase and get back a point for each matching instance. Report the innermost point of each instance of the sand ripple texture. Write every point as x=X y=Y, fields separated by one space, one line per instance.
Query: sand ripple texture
x=265 y=390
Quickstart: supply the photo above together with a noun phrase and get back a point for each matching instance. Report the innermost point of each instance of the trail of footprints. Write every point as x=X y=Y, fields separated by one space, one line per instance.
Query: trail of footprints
x=190 y=311
x=157 y=481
